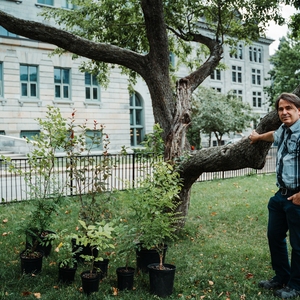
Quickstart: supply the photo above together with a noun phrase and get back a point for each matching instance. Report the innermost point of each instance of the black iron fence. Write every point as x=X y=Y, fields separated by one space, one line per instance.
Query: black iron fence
x=124 y=170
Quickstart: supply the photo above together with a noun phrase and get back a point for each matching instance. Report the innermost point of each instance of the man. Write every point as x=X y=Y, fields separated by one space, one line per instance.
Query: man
x=284 y=206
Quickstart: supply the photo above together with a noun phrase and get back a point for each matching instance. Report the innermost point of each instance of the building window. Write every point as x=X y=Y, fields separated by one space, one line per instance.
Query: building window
x=255 y=54
x=93 y=140
x=4 y=32
x=259 y=56
x=30 y=134
x=238 y=94
x=67 y=4
x=1 y=80
x=236 y=52
x=256 y=77
x=215 y=143
x=46 y=2
x=2 y=132
x=219 y=90
x=236 y=74
x=28 y=79
x=92 y=89
x=136 y=120
x=240 y=52
x=172 y=59
x=62 y=83
x=216 y=75
x=256 y=99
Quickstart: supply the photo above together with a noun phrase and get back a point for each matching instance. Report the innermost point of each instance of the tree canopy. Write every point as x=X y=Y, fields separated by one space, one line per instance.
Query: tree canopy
x=138 y=36
x=126 y=24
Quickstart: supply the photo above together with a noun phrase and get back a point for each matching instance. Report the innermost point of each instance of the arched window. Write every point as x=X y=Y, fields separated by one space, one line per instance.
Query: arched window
x=240 y=52
x=136 y=120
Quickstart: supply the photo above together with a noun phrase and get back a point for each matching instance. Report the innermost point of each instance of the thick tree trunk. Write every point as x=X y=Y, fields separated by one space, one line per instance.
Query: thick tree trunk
x=176 y=143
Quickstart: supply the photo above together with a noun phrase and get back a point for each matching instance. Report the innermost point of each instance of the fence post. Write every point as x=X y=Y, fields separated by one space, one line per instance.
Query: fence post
x=71 y=175
x=133 y=169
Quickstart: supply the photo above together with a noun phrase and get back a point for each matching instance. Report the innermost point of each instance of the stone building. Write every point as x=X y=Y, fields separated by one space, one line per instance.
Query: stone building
x=31 y=80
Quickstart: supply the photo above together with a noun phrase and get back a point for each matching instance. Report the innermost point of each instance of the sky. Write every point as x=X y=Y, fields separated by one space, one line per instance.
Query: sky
x=276 y=32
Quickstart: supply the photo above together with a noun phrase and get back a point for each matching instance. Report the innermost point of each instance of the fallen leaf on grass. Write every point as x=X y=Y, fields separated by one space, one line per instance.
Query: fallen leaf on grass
x=249 y=276
x=210 y=282
x=5 y=221
x=26 y=293
x=37 y=295
x=115 y=291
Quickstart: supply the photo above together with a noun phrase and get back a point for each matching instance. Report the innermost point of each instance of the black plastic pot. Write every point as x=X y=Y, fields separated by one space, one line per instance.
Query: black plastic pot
x=90 y=284
x=66 y=275
x=161 y=281
x=40 y=246
x=31 y=265
x=125 y=277
x=101 y=267
x=144 y=257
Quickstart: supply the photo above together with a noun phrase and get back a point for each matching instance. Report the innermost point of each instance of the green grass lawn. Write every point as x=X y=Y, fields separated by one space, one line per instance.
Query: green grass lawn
x=222 y=252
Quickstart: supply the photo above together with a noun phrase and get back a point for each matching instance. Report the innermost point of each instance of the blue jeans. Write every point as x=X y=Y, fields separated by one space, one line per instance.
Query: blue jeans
x=284 y=216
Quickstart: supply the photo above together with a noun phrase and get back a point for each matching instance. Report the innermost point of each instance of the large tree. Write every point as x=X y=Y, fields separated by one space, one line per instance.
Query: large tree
x=138 y=35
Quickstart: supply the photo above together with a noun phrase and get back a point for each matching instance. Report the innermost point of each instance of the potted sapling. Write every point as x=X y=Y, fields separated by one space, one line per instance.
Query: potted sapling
x=96 y=237
x=65 y=256
x=126 y=242
x=155 y=210
x=31 y=258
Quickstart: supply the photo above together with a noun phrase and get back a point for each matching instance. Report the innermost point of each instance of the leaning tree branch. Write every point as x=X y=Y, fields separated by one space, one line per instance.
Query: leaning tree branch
x=73 y=43
x=234 y=156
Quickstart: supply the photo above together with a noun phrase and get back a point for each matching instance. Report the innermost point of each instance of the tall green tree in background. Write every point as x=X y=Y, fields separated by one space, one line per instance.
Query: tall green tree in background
x=219 y=114
x=285 y=70
x=294 y=25
x=138 y=36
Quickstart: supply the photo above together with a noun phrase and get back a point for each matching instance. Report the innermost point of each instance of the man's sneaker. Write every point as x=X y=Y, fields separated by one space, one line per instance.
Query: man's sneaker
x=270 y=284
x=287 y=293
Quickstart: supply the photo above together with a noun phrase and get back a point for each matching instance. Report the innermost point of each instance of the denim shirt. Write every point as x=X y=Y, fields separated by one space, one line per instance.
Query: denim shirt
x=291 y=160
